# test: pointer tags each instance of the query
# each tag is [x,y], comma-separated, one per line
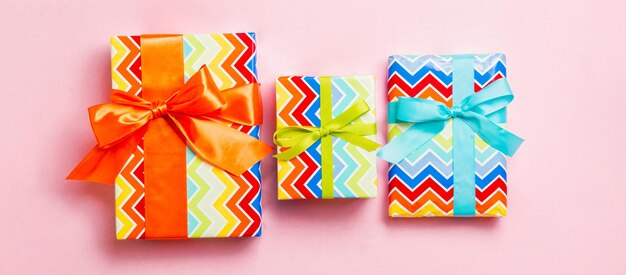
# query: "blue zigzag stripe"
[482,79]
[412,79]
[485,61]
[341,179]
[419,178]
[488,179]
[433,146]
[311,112]
[498,159]
[428,159]
[343,96]
[312,183]
[413,63]
[341,101]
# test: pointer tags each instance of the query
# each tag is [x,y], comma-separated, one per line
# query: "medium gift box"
[446,144]
[180,138]
[326,136]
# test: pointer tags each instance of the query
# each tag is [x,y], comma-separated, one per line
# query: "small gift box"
[180,139]
[446,145]
[326,137]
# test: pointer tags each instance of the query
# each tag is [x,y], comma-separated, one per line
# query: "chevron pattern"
[354,168]
[422,184]
[491,190]
[298,104]
[129,187]
[219,204]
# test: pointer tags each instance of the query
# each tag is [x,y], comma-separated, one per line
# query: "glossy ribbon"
[476,113]
[299,138]
[198,111]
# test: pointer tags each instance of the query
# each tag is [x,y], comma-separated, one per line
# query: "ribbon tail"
[357,140]
[242,105]
[494,135]
[102,165]
[221,146]
[298,148]
[409,141]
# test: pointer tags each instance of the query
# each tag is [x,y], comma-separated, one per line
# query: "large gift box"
[193,170]
[446,145]
[326,137]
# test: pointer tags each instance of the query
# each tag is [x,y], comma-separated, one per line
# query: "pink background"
[566,197]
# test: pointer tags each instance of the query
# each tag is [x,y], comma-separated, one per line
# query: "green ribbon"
[475,113]
[299,138]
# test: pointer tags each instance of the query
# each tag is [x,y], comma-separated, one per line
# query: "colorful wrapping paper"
[422,184]
[354,169]
[219,204]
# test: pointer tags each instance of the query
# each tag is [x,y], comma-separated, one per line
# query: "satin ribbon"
[299,138]
[479,112]
[198,111]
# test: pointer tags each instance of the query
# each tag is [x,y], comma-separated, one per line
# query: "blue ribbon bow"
[476,112]
[430,117]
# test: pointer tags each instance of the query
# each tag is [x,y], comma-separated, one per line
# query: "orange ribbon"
[198,111]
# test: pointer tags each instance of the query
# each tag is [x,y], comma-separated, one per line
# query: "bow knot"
[197,111]
[480,111]
[455,111]
[299,138]
[323,131]
[158,109]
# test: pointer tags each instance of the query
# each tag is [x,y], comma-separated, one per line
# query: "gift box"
[326,137]
[198,98]
[446,145]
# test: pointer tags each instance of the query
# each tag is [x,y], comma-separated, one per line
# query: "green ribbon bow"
[299,138]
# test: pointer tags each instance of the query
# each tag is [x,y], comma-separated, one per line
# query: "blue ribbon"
[475,113]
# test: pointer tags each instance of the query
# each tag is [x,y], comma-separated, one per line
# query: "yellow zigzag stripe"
[284,167]
[194,202]
[444,139]
[220,203]
[198,50]
[362,157]
[364,167]
[215,66]
[428,209]
[123,193]
[363,94]
[117,55]
[498,209]
[282,96]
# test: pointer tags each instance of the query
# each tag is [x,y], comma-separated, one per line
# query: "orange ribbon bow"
[198,111]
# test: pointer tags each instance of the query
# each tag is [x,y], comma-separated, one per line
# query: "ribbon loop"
[158,109]
[323,131]
[455,111]
[201,113]
[299,138]
[429,118]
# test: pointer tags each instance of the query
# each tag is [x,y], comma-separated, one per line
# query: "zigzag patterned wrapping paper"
[218,203]
[422,184]
[354,169]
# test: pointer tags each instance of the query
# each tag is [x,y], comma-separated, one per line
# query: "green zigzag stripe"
[364,163]
[358,175]
[196,53]
[193,205]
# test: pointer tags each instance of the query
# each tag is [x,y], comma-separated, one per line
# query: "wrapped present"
[326,137]
[184,107]
[446,144]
